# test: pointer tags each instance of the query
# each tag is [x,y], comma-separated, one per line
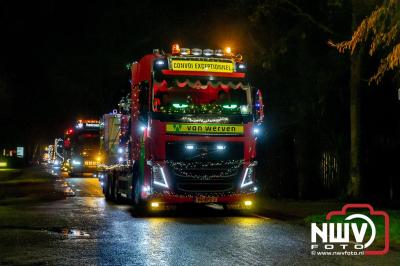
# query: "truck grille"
[205,176]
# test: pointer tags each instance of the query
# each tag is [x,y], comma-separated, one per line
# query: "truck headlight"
[247,177]
[76,162]
[159,178]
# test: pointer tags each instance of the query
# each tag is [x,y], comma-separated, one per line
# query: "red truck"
[187,132]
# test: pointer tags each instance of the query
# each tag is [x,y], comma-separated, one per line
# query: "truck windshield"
[177,96]
[88,140]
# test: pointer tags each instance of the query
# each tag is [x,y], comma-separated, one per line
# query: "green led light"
[230,106]
[178,105]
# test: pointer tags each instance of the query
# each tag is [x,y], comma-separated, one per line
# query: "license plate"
[204,199]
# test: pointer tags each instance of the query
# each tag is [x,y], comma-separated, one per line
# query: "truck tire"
[138,202]
[116,196]
[108,188]
[71,174]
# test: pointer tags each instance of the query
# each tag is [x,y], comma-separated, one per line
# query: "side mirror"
[259,107]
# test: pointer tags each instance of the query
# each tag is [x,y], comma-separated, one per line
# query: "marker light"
[248,203]
[221,147]
[244,109]
[189,146]
[178,105]
[155,204]
[228,50]
[160,62]
[241,66]
[185,51]
[208,52]
[175,49]
[219,52]
[256,130]
[196,51]
[230,106]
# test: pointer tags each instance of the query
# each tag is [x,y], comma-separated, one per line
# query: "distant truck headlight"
[76,162]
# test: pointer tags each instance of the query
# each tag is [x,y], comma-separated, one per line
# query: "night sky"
[63,60]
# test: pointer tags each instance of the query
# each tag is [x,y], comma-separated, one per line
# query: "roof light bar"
[196,51]
[219,52]
[208,52]
[185,51]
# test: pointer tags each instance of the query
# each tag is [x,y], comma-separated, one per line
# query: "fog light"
[248,203]
[155,204]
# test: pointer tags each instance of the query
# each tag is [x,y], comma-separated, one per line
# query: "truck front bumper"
[233,201]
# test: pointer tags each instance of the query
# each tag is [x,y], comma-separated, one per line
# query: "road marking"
[260,216]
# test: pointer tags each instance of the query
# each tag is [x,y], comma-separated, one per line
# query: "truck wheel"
[138,202]
[109,188]
[71,174]
[116,196]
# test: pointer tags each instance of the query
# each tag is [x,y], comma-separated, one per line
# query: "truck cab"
[193,125]
[81,147]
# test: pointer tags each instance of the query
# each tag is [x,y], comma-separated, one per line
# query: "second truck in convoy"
[186,133]
[81,147]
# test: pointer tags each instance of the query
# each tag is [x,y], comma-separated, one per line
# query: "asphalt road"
[87,230]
